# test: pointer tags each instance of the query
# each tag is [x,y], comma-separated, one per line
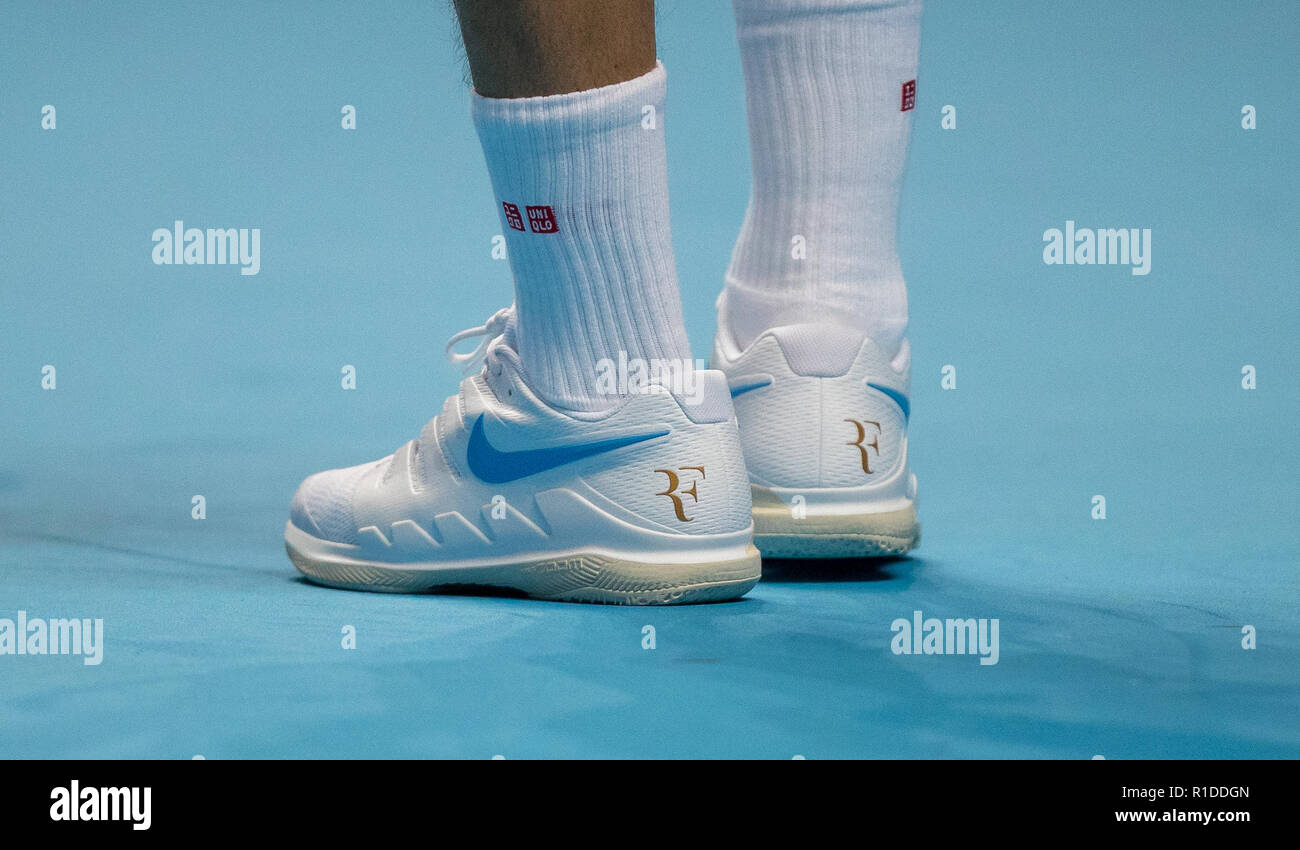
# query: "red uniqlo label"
[541,219]
[909,95]
[512,216]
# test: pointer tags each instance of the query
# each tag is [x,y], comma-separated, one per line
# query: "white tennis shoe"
[644,503]
[823,423]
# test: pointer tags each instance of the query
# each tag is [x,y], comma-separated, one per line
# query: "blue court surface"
[1121,637]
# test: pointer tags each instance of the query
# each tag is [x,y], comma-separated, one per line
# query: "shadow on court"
[821,570]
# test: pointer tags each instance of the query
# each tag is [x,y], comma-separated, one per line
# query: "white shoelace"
[489,330]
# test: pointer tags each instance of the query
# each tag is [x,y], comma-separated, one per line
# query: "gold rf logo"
[675,493]
[860,443]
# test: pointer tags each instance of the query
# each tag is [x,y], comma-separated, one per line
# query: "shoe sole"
[577,577]
[865,534]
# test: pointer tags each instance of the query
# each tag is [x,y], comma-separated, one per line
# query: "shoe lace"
[489,330]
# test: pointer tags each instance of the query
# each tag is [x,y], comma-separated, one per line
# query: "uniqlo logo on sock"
[909,95]
[541,220]
[513,218]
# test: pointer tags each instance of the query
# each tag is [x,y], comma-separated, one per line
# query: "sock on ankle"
[829,88]
[581,184]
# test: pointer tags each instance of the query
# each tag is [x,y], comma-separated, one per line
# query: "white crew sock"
[825,86]
[581,184]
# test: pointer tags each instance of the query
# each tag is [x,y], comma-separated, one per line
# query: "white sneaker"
[823,423]
[647,503]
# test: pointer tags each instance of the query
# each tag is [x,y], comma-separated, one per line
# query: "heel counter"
[812,416]
[694,482]
[868,411]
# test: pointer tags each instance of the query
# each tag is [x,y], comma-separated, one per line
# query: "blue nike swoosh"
[741,389]
[899,398]
[494,466]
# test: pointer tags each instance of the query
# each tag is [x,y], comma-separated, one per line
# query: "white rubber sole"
[569,577]
[783,532]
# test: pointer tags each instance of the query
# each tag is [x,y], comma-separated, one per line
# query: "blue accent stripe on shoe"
[494,466]
[741,389]
[899,398]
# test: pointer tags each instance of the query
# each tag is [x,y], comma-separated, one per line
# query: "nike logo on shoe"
[741,388]
[494,466]
[899,398]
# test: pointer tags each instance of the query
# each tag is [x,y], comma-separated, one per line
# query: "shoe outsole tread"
[594,578]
